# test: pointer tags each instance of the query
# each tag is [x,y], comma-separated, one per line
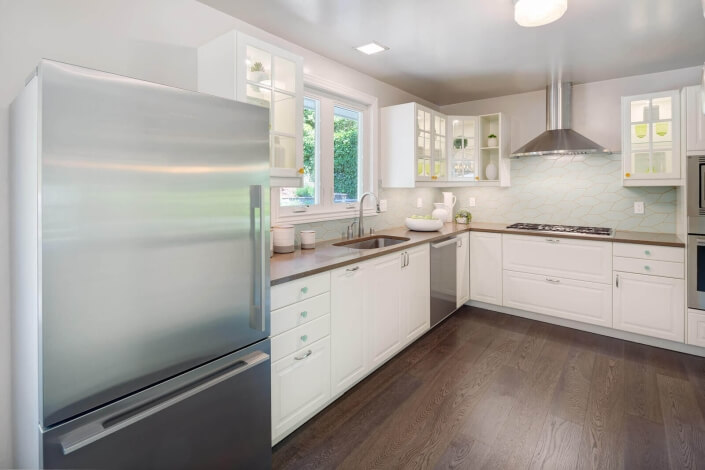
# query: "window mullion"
[326,154]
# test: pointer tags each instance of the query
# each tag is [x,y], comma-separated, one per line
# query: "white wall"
[596,106]
[154,40]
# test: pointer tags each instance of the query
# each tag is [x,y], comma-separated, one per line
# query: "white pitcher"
[440,212]
[449,200]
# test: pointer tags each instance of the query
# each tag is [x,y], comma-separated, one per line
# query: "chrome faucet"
[360,225]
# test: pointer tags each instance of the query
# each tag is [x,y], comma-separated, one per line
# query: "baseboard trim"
[600,330]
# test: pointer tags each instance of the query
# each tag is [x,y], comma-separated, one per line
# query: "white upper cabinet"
[421,147]
[695,120]
[241,67]
[651,136]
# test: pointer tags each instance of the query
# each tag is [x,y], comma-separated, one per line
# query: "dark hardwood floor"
[487,390]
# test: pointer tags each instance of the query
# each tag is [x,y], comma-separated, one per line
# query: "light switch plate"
[419,203]
[471,202]
[639,207]
[383,205]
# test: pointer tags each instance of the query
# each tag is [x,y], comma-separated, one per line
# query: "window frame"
[367,105]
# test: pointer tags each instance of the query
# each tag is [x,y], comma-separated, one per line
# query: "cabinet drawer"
[299,313]
[659,253]
[300,386]
[587,302]
[293,340]
[299,289]
[582,260]
[696,328]
[655,268]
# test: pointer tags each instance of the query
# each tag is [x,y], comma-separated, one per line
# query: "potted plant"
[257,72]
[463,217]
[460,143]
[492,140]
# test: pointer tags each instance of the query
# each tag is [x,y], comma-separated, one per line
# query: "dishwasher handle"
[450,241]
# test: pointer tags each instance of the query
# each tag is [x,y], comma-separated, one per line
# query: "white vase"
[491,171]
[492,142]
[449,200]
[440,212]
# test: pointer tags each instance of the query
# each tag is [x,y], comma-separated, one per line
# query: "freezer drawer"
[215,416]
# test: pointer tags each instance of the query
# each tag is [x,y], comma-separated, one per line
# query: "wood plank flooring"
[488,390]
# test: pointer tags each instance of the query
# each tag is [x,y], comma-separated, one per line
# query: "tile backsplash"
[572,190]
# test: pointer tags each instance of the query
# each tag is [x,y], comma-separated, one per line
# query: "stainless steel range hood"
[559,138]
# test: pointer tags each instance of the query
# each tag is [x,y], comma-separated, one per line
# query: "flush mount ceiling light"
[372,48]
[530,13]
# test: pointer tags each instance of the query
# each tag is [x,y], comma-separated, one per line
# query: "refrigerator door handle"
[259,293]
[92,432]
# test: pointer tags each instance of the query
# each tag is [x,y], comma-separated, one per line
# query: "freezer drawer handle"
[97,430]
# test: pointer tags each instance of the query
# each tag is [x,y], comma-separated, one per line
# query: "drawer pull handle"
[616,281]
[647,267]
[306,354]
[647,252]
[553,281]
[353,269]
[304,290]
[552,240]
[304,338]
[304,314]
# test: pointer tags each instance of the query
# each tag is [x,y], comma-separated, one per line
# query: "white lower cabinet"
[696,327]
[463,269]
[650,305]
[486,267]
[300,386]
[382,295]
[415,296]
[348,325]
[587,302]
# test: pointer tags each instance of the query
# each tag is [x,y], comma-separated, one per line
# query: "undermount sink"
[369,243]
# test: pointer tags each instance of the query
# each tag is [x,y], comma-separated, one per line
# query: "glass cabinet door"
[650,144]
[462,148]
[439,149]
[273,79]
[423,145]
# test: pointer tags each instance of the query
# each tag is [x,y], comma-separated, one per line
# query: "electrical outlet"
[471,202]
[419,203]
[383,205]
[639,207]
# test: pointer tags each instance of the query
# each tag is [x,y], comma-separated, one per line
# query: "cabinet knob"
[304,314]
[301,171]
[477,178]
[627,175]
[647,252]
[647,267]
[304,290]
[304,338]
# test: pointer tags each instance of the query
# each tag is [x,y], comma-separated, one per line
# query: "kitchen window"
[338,158]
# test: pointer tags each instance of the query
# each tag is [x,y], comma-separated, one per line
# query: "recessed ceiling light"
[532,13]
[372,48]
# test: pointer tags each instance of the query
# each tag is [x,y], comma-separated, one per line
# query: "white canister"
[440,212]
[449,200]
[283,238]
[308,239]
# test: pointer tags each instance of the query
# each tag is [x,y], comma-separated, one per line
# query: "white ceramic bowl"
[423,225]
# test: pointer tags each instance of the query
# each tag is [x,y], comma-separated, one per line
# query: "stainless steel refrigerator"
[140,239]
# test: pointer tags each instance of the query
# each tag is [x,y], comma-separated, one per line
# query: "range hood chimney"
[559,138]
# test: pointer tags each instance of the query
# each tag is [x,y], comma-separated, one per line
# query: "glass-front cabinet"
[422,147]
[238,66]
[651,139]
[463,153]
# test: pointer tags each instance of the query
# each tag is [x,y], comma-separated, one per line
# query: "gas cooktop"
[595,231]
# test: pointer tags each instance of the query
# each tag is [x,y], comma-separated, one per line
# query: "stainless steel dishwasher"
[443,279]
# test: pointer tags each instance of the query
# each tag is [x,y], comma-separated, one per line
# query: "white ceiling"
[448,51]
